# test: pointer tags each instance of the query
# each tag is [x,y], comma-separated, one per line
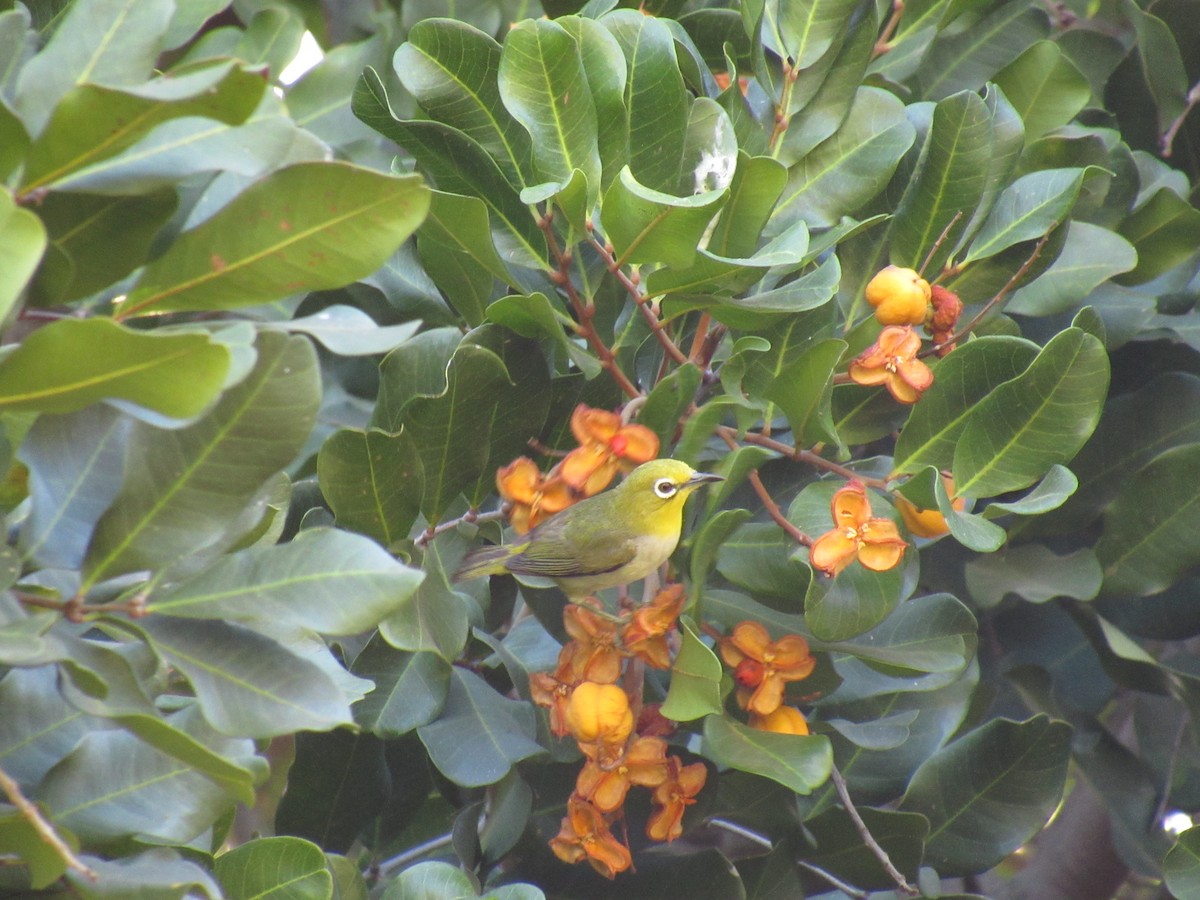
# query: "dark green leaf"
[695,679]
[1164,230]
[1045,87]
[1091,256]
[409,688]
[372,482]
[268,867]
[647,226]
[22,243]
[1026,209]
[802,763]
[974,55]
[1033,572]
[1181,866]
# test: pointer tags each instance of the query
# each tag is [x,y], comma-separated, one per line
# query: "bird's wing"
[555,553]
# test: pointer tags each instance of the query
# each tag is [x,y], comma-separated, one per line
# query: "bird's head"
[661,486]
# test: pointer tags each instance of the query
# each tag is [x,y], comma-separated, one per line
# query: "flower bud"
[900,296]
[785,720]
[599,713]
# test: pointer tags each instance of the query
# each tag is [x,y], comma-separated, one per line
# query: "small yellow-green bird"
[604,541]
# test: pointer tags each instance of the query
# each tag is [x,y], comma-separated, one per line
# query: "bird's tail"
[484,561]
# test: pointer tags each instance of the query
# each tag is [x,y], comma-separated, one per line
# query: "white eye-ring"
[665,488]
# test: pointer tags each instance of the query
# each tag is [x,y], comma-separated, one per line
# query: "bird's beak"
[700,478]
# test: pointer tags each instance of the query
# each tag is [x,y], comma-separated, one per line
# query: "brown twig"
[848,889]
[895,874]
[768,501]
[1168,139]
[783,118]
[961,333]
[75,610]
[641,300]
[699,337]
[470,516]
[585,312]
[941,239]
[44,829]
[884,42]
[815,460]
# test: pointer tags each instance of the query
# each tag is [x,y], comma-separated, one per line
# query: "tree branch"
[642,302]
[895,874]
[44,829]
[471,515]
[1168,139]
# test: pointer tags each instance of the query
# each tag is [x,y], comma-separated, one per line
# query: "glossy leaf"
[22,243]
[73,363]
[989,791]
[804,390]
[1164,230]
[1045,87]
[974,55]
[1027,209]
[801,763]
[372,482]
[259,868]
[647,226]
[348,331]
[1090,257]
[410,689]
[604,66]
[480,735]
[1034,573]
[1181,866]
[306,227]
[695,679]
[156,518]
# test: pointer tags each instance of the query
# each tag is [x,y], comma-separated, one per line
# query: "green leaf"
[410,688]
[1091,256]
[1040,418]
[45,863]
[1045,87]
[669,400]
[845,171]
[96,241]
[94,124]
[932,633]
[1161,62]
[799,762]
[972,57]
[837,847]
[804,391]
[1034,573]
[39,726]
[757,184]
[435,618]
[962,380]
[197,503]
[695,679]
[656,100]
[990,791]
[1150,530]
[22,243]
[535,316]
[348,331]
[1027,209]
[372,482]
[337,784]
[950,179]
[458,227]
[1051,492]
[112,786]
[431,880]
[307,227]
[756,557]
[543,85]
[73,363]
[605,68]
[1181,865]
[280,868]
[1164,230]
[480,735]
[647,226]
[246,683]
[304,583]
[806,30]
[153,874]
[450,67]
[121,52]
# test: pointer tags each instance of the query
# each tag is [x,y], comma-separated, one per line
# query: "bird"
[611,539]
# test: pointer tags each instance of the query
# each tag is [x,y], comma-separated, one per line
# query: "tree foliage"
[272,352]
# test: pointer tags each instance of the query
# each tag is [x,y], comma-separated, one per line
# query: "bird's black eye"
[664,488]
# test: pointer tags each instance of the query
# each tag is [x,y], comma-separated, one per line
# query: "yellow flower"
[585,835]
[599,714]
[900,296]
[762,666]
[605,445]
[892,361]
[534,498]
[928,523]
[872,540]
[785,720]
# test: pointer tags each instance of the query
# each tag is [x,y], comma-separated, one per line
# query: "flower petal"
[518,481]
[640,443]
[915,373]
[768,697]
[594,425]
[850,506]
[881,557]
[578,466]
[868,375]
[751,638]
[832,552]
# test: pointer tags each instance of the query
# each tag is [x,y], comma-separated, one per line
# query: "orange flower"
[892,361]
[605,445]
[585,835]
[599,714]
[534,498]
[554,691]
[605,784]
[763,666]
[594,653]
[928,523]
[874,541]
[646,635]
[785,720]
[672,797]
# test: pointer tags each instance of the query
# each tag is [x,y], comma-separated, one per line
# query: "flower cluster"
[892,362]
[856,534]
[621,749]
[606,445]
[761,669]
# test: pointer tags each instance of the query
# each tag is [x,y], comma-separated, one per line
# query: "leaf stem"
[643,302]
[470,516]
[44,829]
[843,792]
[848,889]
[768,501]
[884,42]
[941,239]
[1166,143]
[75,610]
[805,456]
[585,312]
